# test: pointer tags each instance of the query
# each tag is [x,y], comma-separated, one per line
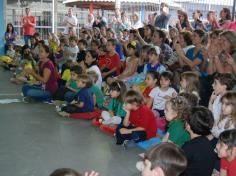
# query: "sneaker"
[129,144]
[48,102]
[58,108]
[26,100]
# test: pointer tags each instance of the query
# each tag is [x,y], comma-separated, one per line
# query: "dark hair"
[169,157]
[84,42]
[200,120]
[187,35]
[7,30]
[191,98]
[145,48]
[202,34]
[96,42]
[215,33]
[46,48]
[151,27]
[84,78]
[133,96]
[65,172]
[113,42]
[227,11]
[228,137]
[103,48]
[94,56]
[119,86]
[167,75]
[226,79]
[162,35]
[154,74]
[76,69]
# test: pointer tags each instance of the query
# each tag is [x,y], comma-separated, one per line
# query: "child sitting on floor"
[97,93]
[159,95]
[115,112]
[139,123]
[84,98]
[226,149]
[165,159]
[176,132]
[69,91]
[199,151]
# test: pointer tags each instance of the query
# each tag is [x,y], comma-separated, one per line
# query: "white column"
[54,16]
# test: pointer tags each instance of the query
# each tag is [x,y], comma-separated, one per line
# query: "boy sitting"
[139,123]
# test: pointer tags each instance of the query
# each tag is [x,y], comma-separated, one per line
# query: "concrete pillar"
[3,25]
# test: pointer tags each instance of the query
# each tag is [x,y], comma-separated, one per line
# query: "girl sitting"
[176,132]
[131,62]
[115,112]
[91,63]
[228,114]
[189,82]
[159,95]
[84,98]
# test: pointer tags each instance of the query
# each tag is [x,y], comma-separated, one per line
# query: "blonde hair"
[93,75]
[178,104]
[230,96]
[192,80]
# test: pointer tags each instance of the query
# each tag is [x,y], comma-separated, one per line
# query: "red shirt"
[147,91]
[102,61]
[144,117]
[28,29]
[230,167]
[112,62]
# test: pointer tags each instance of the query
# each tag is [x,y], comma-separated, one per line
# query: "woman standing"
[10,35]
[47,78]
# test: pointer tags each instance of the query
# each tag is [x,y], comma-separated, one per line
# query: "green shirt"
[177,132]
[99,96]
[116,107]
[73,85]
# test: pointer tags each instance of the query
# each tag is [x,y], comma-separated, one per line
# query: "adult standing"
[162,20]
[136,21]
[28,25]
[71,22]
[10,35]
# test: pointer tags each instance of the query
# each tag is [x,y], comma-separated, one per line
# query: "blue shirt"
[85,95]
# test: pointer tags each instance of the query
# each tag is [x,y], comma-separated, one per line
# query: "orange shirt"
[28,29]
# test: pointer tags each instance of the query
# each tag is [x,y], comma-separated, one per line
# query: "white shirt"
[219,127]
[159,99]
[73,50]
[137,25]
[72,20]
[97,70]
[216,108]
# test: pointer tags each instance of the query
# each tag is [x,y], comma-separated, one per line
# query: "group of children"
[139,100]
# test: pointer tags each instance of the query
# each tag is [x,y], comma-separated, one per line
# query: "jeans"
[137,136]
[70,96]
[27,39]
[36,92]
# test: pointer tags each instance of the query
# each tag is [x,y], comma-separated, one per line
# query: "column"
[3,25]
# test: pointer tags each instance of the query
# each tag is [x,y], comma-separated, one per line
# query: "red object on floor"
[107,129]
[87,115]
[95,122]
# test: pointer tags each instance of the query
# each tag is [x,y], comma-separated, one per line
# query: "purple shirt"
[51,85]
[10,39]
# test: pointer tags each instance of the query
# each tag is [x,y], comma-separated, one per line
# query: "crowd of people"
[167,89]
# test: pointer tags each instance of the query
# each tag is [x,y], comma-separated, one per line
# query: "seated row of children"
[144,107]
